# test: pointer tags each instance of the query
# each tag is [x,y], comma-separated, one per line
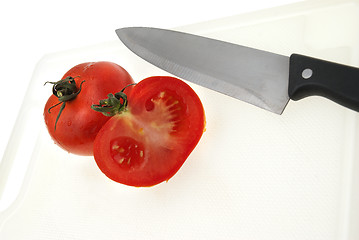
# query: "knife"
[261,78]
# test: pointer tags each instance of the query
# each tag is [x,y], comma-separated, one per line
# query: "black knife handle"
[310,76]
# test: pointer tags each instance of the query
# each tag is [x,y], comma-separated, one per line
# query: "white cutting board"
[254,175]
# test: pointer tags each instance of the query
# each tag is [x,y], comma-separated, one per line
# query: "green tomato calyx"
[65,90]
[114,104]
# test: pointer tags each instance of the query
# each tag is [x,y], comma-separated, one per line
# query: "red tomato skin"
[160,153]
[78,124]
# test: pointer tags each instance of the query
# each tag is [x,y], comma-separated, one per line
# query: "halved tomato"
[149,141]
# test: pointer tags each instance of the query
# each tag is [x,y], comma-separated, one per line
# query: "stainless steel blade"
[255,76]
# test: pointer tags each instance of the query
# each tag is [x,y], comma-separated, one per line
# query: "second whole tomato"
[70,121]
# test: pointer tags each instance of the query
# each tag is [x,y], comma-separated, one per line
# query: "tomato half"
[77,124]
[148,142]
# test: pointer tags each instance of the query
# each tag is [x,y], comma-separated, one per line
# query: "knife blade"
[264,79]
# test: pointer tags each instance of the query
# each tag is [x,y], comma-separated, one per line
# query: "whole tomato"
[70,121]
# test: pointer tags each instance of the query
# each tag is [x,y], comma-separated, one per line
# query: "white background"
[31,29]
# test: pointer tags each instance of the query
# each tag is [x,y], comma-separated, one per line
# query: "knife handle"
[310,76]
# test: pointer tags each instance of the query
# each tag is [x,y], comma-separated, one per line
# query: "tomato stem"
[65,90]
[114,104]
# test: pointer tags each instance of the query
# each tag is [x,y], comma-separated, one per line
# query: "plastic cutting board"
[254,175]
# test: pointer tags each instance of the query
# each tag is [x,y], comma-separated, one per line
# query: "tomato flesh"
[127,152]
[149,142]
